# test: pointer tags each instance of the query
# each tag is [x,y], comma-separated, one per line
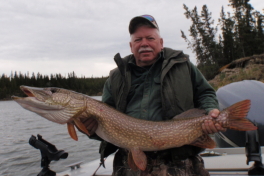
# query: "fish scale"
[136,135]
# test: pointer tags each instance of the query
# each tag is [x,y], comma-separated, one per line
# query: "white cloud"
[61,36]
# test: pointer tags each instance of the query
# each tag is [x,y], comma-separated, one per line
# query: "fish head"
[55,104]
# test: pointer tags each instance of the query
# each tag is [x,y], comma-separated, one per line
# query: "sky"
[62,36]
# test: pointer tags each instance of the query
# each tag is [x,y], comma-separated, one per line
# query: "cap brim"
[136,20]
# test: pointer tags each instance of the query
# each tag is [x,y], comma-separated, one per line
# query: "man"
[156,83]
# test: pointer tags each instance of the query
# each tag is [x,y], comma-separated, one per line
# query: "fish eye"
[53,90]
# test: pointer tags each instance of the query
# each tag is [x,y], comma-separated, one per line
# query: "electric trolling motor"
[48,153]
[253,152]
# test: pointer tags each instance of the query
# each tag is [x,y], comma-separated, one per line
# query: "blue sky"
[61,36]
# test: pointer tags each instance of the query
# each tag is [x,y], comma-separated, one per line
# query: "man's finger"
[220,128]
[209,127]
[212,127]
[214,113]
[86,121]
[92,131]
[206,128]
[91,124]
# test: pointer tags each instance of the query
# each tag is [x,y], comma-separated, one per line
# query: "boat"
[218,161]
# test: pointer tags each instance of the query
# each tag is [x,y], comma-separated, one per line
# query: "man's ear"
[161,42]
[130,44]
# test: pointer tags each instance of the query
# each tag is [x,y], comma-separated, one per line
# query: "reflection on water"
[17,157]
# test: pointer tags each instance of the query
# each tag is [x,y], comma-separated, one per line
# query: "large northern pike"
[65,106]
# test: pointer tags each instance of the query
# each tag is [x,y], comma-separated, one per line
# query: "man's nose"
[144,42]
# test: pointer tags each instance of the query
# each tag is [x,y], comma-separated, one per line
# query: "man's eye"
[137,40]
[151,38]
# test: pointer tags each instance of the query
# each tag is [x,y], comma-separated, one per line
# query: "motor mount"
[49,153]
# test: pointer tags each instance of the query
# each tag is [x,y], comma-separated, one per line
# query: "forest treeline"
[9,85]
[236,35]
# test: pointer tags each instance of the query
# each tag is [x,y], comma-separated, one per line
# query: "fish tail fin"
[237,116]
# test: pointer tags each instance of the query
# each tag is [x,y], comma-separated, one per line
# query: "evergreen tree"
[242,35]
[204,44]
[10,85]
[227,43]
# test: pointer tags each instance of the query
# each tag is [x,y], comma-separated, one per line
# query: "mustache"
[144,49]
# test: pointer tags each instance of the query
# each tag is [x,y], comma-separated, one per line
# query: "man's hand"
[91,125]
[209,127]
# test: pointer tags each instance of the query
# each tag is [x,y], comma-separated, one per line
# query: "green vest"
[175,80]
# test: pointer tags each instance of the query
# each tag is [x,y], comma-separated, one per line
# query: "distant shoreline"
[6,99]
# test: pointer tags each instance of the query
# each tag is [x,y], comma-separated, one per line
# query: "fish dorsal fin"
[72,131]
[204,141]
[137,158]
[191,113]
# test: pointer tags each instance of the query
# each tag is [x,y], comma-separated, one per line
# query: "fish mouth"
[27,91]
[35,98]
[36,92]
[40,101]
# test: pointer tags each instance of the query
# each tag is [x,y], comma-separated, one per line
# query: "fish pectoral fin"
[137,158]
[204,141]
[81,126]
[72,131]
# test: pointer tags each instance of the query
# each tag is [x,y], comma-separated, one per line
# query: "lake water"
[18,157]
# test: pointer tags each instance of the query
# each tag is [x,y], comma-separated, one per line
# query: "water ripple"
[17,157]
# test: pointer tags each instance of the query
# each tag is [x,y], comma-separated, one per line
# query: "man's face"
[146,44]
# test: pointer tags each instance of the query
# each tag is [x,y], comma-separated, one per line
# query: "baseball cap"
[143,18]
